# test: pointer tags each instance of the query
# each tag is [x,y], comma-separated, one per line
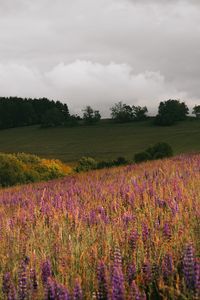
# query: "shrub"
[11,170]
[25,168]
[142,156]
[158,151]
[86,164]
[120,161]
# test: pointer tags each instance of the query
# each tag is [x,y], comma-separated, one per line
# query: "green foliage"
[52,118]
[196,111]
[24,168]
[86,164]
[142,156]
[15,111]
[170,112]
[11,170]
[139,113]
[125,113]
[158,151]
[121,112]
[91,116]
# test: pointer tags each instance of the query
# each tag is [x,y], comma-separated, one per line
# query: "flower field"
[124,233]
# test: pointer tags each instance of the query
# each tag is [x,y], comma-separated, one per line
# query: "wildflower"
[167,231]
[145,233]
[22,282]
[77,294]
[102,284]
[167,267]
[197,278]
[118,289]
[50,290]
[117,258]
[46,271]
[133,238]
[131,273]
[12,295]
[147,272]
[6,283]
[33,279]
[189,267]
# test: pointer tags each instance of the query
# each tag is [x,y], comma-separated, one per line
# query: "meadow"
[103,141]
[124,233]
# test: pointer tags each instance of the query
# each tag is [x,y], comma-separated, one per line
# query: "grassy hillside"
[108,234]
[103,141]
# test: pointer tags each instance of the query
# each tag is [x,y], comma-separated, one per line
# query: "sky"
[99,52]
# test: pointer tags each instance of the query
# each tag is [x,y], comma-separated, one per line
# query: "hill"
[108,234]
[103,141]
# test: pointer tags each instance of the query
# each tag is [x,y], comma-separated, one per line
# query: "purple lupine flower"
[102,283]
[77,293]
[46,271]
[133,238]
[12,295]
[117,258]
[62,293]
[167,266]
[145,233]
[127,218]
[197,278]
[33,279]
[22,282]
[50,289]
[135,294]
[131,273]
[147,272]
[167,231]
[6,283]
[118,289]
[189,266]
[161,203]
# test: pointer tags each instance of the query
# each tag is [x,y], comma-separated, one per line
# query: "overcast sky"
[99,52]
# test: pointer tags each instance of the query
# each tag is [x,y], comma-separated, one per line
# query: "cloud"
[84,83]
[100,51]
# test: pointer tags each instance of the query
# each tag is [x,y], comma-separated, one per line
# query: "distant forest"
[15,112]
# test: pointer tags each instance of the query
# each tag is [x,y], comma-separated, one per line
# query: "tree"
[52,118]
[139,113]
[171,111]
[121,112]
[91,116]
[196,111]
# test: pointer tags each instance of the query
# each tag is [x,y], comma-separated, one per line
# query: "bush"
[11,170]
[25,168]
[120,161]
[158,151]
[142,156]
[86,164]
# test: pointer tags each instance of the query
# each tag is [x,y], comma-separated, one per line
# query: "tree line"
[16,112]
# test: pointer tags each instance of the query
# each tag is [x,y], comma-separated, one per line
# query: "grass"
[116,232]
[103,141]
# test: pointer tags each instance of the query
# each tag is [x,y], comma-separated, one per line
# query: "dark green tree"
[196,111]
[52,118]
[121,112]
[91,116]
[170,112]
[139,113]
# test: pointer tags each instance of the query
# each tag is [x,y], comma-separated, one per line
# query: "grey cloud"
[47,39]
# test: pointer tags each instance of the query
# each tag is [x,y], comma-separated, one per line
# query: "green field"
[103,141]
